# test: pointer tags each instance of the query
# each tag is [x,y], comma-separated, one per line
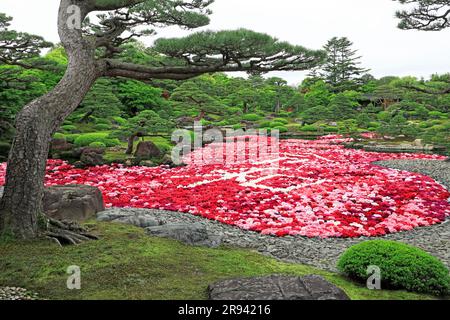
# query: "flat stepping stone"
[276,287]
[128,217]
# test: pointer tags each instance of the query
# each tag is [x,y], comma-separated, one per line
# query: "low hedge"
[402,266]
[281,120]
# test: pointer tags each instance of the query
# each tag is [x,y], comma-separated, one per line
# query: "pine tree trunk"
[131,141]
[21,204]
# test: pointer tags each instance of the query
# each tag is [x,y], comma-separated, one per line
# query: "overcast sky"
[370,24]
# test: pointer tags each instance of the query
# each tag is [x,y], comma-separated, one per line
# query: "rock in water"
[191,234]
[147,150]
[276,287]
[73,202]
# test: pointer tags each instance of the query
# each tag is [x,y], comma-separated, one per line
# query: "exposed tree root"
[67,233]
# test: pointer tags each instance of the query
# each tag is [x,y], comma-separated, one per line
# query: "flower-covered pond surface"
[310,188]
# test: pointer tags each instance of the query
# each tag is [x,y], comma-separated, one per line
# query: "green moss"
[127,264]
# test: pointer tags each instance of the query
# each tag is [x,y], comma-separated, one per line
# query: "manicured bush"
[275,124]
[308,128]
[102,127]
[69,128]
[281,120]
[71,137]
[402,266]
[237,127]
[99,145]
[85,140]
[281,129]
[294,128]
[265,124]
[251,117]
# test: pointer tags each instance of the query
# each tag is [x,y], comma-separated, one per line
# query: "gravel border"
[324,253]
[16,293]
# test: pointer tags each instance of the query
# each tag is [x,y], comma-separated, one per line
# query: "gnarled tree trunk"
[21,204]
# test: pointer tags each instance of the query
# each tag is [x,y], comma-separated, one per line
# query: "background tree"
[137,96]
[94,52]
[341,69]
[191,98]
[146,123]
[426,15]
[100,102]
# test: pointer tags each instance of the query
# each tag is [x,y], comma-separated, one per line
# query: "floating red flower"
[312,189]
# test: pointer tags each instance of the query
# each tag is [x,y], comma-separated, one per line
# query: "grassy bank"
[126,264]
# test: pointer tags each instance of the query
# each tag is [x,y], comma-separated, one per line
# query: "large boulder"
[276,287]
[73,202]
[191,234]
[147,150]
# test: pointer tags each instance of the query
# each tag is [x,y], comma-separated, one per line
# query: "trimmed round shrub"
[59,136]
[330,129]
[251,117]
[102,127]
[308,128]
[69,128]
[294,127]
[281,129]
[402,266]
[86,139]
[265,124]
[281,120]
[275,124]
[99,145]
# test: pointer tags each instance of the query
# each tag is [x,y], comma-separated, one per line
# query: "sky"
[370,24]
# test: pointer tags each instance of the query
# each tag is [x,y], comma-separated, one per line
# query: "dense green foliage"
[117,108]
[402,266]
[128,264]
